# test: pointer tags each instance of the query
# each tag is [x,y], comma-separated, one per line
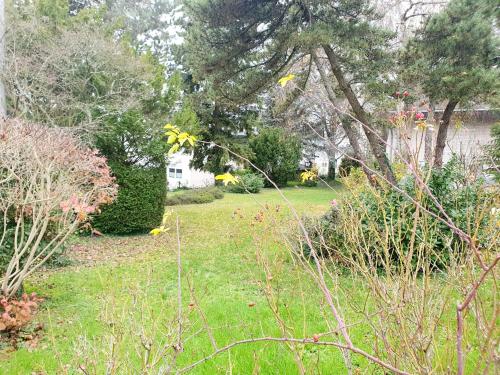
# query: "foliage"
[139,206]
[49,184]
[456,49]
[248,182]
[346,165]
[225,126]
[91,78]
[264,40]
[253,57]
[309,178]
[277,154]
[195,196]
[371,213]
[493,150]
[131,139]
[16,314]
[7,251]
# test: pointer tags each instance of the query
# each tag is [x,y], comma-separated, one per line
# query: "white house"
[320,161]
[180,174]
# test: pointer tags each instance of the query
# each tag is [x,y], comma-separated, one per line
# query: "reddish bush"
[15,314]
[49,183]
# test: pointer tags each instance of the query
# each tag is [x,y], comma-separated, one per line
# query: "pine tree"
[242,47]
[454,59]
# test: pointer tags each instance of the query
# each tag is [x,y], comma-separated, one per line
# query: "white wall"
[320,161]
[467,140]
[191,178]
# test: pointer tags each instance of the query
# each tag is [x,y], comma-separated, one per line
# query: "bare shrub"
[49,183]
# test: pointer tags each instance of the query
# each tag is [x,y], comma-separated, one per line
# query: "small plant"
[16,314]
[309,178]
[248,182]
[346,165]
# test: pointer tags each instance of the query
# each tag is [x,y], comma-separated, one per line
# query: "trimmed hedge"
[195,196]
[140,204]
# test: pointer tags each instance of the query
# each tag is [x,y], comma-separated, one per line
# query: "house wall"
[466,139]
[320,161]
[189,177]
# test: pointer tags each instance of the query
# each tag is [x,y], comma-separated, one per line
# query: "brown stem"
[304,341]
[442,132]
[461,308]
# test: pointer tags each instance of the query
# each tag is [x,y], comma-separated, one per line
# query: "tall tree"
[243,47]
[454,58]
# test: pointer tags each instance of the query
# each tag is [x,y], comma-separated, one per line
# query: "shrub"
[49,184]
[277,154]
[346,165]
[140,204]
[16,314]
[380,223]
[248,183]
[195,196]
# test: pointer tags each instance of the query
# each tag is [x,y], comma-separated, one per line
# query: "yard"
[119,296]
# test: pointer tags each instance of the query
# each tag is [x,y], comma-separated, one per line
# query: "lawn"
[120,295]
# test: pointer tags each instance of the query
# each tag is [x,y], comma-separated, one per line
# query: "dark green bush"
[195,196]
[277,154]
[346,165]
[249,183]
[140,203]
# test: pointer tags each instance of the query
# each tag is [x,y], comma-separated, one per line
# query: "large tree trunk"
[377,147]
[442,133]
[3,108]
[349,129]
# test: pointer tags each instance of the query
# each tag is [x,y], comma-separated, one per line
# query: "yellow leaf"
[227,178]
[155,231]
[171,139]
[170,126]
[284,80]
[308,175]
[174,149]
[192,140]
[183,137]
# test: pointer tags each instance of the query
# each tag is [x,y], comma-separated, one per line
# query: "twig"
[461,308]
[305,341]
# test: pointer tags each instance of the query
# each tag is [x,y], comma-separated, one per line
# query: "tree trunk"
[377,147]
[428,135]
[331,132]
[3,108]
[350,131]
[442,133]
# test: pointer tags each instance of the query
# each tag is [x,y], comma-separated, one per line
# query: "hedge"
[140,204]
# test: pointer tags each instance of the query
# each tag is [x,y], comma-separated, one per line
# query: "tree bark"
[377,147]
[442,133]
[350,131]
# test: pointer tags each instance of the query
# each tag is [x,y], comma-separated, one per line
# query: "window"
[171,172]
[178,173]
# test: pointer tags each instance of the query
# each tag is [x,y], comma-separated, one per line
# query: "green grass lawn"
[120,296]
